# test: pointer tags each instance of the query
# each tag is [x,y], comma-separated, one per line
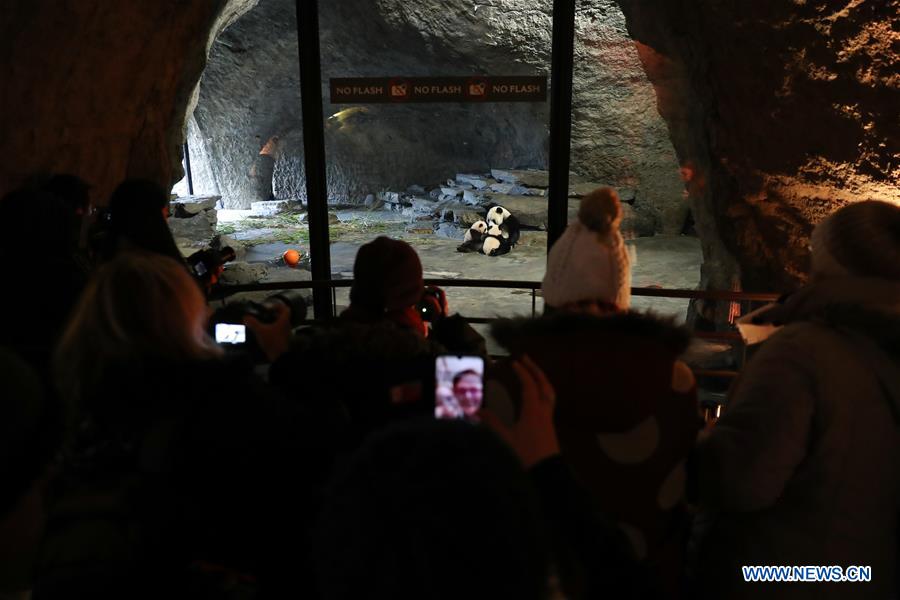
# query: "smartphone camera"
[200,269]
[459,386]
[231,333]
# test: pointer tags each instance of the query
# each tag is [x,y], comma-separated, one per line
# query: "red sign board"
[371,90]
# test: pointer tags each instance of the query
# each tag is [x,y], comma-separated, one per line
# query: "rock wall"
[87,90]
[250,89]
[781,112]
[617,132]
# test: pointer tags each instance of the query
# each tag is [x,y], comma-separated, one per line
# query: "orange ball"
[291,258]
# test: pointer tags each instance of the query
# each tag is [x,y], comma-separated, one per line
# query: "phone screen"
[459,386]
[230,333]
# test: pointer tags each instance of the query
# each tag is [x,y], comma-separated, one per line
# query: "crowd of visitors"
[141,459]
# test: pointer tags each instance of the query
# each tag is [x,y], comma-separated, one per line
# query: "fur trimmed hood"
[867,306]
[881,327]
[510,333]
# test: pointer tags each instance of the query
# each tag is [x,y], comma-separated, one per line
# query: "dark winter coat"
[370,372]
[626,418]
[178,465]
[803,468]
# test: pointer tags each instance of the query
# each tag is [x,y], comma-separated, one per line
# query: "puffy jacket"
[803,468]
[626,418]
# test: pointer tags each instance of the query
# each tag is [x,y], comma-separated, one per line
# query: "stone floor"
[661,261]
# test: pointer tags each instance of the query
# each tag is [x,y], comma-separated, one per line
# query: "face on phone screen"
[459,386]
[230,333]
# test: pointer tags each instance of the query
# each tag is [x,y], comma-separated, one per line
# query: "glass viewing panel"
[429,132]
[245,139]
[422,160]
[620,140]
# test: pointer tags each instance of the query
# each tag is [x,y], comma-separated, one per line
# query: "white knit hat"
[590,261]
[861,239]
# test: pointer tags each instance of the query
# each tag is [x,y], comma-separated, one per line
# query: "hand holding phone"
[273,338]
[533,436]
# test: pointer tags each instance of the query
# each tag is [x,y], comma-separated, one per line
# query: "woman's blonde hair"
[137,306]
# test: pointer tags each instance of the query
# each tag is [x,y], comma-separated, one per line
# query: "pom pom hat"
[589,262]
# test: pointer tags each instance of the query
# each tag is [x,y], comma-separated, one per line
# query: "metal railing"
[224,291]
[728,337]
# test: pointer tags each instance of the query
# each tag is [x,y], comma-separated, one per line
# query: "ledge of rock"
[242,273]
[270,208]
[528,178]
[195,231]
[530,210]
[188,206]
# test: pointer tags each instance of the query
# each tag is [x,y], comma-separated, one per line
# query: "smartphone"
[231,333]
[458,386]
[711,411]
[200,269]
[503,391]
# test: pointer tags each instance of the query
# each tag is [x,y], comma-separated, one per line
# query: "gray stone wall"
[249,93]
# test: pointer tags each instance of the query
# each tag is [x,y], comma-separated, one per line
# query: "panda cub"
[502,233]
[494,243]
[507,223]
[474,238]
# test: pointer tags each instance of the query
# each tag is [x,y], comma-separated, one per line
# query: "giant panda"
[472,241]
[494,243]
[506,223]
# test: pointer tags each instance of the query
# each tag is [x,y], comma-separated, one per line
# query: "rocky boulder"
[530,210]
[270,208]
[286,274]
[188,206]
[478,182]
[389,197]
[530,178]
[425,206]
[515,189]
[450,230]
[242,273]
[195,231]
[222,241]
[473,198]
[461,214]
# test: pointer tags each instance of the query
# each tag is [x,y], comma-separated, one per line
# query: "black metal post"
[560,117]
[187,168]
[314,152]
